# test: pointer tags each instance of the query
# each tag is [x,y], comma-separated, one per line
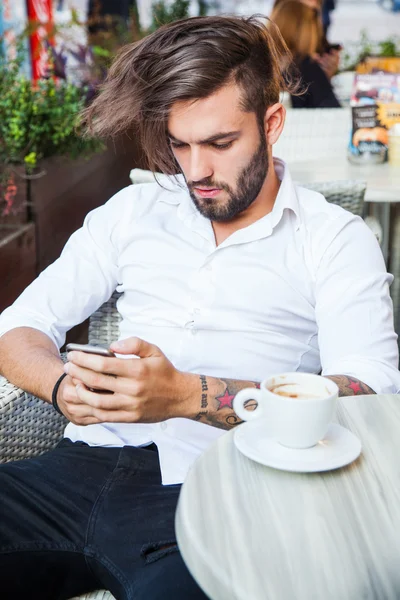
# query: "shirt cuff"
[8,323]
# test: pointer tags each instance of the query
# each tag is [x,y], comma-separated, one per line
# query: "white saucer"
[339,447]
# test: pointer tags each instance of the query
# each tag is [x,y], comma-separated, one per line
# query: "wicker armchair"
[348,194]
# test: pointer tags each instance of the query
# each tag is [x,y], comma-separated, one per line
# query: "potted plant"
[356,53]
[163,13]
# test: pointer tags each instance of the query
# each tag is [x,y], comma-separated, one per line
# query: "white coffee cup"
[298,407]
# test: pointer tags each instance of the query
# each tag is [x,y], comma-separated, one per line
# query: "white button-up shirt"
[302,289]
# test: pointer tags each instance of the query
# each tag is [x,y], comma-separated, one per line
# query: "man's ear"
[274,121]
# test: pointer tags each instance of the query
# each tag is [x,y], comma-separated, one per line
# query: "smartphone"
[99,350]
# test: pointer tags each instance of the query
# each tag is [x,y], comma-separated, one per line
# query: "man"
[228,274]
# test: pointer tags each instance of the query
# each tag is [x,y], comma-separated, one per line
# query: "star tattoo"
[356,387]
[350,386]
[225,400]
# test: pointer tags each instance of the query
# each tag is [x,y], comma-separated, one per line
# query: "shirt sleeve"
[75,285]
[353,307]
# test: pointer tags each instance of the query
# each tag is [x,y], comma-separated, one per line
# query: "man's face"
[221,151]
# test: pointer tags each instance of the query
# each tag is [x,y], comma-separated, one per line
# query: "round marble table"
[249,532]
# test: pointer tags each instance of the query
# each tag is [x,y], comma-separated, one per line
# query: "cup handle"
[239,400]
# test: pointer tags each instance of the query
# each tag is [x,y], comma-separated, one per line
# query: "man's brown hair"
[188,60]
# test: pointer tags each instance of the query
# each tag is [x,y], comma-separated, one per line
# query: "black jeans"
[79,518]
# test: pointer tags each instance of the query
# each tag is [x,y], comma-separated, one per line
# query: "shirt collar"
[287,195]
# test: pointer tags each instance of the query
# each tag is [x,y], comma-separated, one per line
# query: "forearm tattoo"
[204,390]
[216,397]
[350,386]
[216,401]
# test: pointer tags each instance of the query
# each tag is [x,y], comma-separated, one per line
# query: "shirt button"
[196,311]
[194,331]
[163,426]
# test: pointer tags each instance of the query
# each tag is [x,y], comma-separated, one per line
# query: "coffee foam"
[295,391]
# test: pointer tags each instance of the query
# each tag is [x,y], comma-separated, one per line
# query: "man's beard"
[248,186]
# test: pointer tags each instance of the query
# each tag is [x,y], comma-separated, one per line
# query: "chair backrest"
[348,194]
[104,323]
[314,134]
[142,176]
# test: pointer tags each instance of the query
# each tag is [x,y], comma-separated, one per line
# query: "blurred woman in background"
[311,3]
[301,28]
[328,54]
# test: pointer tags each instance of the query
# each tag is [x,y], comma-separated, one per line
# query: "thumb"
[136,346]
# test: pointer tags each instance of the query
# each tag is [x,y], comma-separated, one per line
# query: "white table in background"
[249,532]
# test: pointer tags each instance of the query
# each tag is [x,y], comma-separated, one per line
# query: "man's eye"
[222,146]
[177,145]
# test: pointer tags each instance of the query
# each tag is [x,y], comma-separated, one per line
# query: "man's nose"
[200,167]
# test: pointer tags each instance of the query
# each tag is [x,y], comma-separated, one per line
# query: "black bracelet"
[54,394]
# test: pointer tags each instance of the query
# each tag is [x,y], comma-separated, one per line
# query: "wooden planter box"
[60,200]
[57,204]
[19,211]
[17,261]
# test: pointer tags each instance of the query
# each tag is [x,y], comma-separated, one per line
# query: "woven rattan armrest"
[28,426]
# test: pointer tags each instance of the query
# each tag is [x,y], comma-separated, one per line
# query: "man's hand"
[147,389]
[144,390]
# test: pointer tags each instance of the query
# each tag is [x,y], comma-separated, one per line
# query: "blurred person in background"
[301,28]
[316,4]
[328,55]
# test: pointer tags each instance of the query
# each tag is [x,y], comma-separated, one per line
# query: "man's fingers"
[116,416]
[100,364]
[67,391]
[91,378]
[132,385]
[136,346]
[81,414]
[107,409]
[97,400]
